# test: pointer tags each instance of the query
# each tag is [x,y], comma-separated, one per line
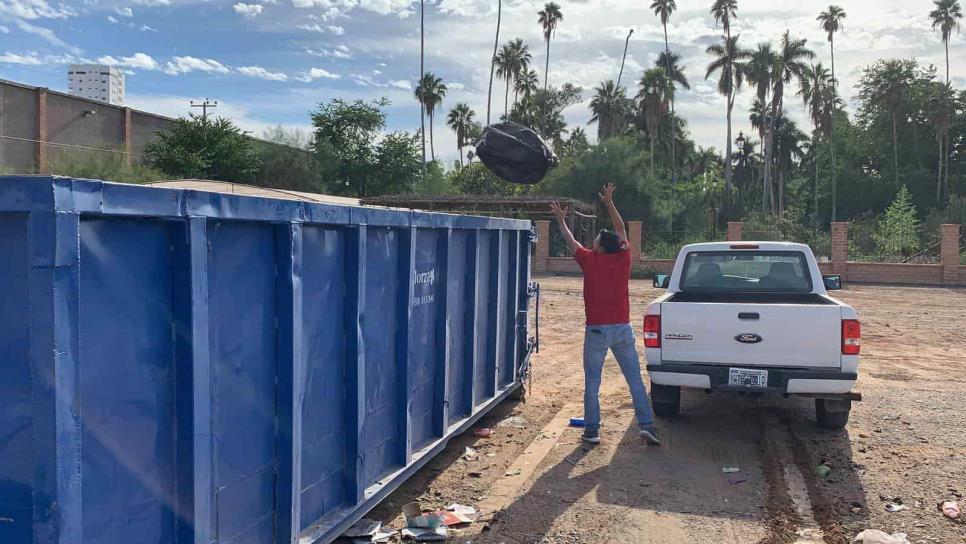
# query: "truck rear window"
[746,272]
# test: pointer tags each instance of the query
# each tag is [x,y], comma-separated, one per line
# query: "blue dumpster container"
[180,366]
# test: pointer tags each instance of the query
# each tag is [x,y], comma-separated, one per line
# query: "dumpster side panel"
[423,346]
[381,433]
[126,380]
[16,426]
[242,310]
[324,410]
[459,313]
[509,309]
[481,334]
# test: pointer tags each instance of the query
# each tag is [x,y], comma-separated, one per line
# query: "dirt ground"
[906,442]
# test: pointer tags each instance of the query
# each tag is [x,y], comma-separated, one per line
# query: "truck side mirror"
[661,281]
[833,282]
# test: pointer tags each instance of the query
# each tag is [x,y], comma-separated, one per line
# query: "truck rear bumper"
[780,380]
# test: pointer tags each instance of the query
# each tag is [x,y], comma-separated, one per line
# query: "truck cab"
[752,317]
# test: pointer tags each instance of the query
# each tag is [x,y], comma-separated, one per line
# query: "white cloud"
[124,11]
[146,28]
[315,27]
[112,19]
[317,73]
[366,80]
[31,58]
[337,30]
[339,8]
[248,10]
[310,28]
[178,106]
[35,9]
[4,30]
[152,3]
[184,65]
[46,34]
[400,84]
[340,52]
[261,73]
[140,61]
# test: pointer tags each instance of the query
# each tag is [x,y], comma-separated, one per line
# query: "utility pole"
[204,107]
[626,42]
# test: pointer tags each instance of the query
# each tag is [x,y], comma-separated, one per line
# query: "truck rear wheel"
[832,414]
[666,400]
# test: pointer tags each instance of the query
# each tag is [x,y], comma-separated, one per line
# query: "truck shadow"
[624,491]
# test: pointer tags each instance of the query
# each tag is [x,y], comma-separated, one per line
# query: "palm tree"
[664,9]
[728,59]
[939,101]
[652,98]
[758,72]
[946,17]
[526,84]
[610,110]
[820,102]
[887,83]
[512,60]
[788,64]
[549,17]
[430,92]
[460,119]
[788,148]
[675,73]
[496,43]
[422,74]
[831,22]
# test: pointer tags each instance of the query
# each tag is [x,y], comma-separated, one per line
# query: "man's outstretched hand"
[607,193]
[558,210]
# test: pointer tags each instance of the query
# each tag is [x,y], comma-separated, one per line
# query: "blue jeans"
[620,340]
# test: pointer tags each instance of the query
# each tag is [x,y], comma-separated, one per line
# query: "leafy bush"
[102,166]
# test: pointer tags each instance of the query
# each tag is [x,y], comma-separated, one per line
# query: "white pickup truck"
[752,317]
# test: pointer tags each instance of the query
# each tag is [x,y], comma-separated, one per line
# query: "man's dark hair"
[609,241]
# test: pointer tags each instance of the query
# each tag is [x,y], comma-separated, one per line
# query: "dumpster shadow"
[625,491]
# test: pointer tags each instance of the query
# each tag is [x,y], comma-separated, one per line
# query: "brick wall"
[840,249]
[734,231]
[912,274]
[542,252]
[635,233]
[949,249]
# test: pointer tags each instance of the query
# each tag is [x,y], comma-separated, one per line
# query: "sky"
[271,62]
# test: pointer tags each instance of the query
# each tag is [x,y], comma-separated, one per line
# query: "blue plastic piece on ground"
[576,422]
[185,366]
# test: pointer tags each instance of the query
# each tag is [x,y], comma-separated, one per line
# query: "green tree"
[287,162]
[476,179]
[820,100]
[831,22]
[664,9]
[543,110]
[652,99]
[549,17]
[897,232]
[526,84]
[728,58]
[460,119]
[610,108]
[512,60]
[884,86]
[430,92]
[946,18]
[345,133]
[493,59]
[396,166]
[199,147]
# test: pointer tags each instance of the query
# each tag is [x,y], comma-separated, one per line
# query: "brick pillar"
[127,135]
[734,231]
[542,251]
[950,253]
[42,164]
[840,248]
[635,234]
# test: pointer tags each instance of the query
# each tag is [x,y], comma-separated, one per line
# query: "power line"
[204,107]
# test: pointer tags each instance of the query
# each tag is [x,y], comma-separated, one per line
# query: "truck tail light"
[652,331]
[851,336]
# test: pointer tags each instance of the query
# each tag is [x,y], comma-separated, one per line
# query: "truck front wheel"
[666,400]
[832,414]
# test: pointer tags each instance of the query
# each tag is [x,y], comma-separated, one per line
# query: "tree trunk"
[946,42]
[815,187]
[422,103]
[946,161]
[895,150]
[496,43]
[939,178]
[781,185]
[728,169]
[461,155]
[432,150]
[546,67]
[831,134]
[667,74]
[652,138]
[506,101]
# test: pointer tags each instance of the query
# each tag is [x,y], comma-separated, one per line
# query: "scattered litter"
[893,507]
[736,481]
[470,454]
[491,455]
[875,536]
[416,519]
[950,509]
[475,474]
[514,472]
[517,422]
[484,432]
[571,461]
[730,470]
[364,528]
[576,422]
[823,471]
[425,534]
[464,510]
[378,538]
[453,518]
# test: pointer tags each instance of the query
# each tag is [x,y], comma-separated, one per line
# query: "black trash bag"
[515,153]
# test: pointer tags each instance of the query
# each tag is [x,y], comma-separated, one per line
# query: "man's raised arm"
[560,212]
[607,196]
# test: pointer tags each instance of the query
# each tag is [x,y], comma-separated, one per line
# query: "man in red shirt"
[607,271]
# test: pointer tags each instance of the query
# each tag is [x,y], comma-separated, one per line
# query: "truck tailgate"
[787,335]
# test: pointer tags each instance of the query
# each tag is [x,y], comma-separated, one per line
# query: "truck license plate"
[744,377]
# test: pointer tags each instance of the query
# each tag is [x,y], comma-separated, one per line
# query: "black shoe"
[591,436]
